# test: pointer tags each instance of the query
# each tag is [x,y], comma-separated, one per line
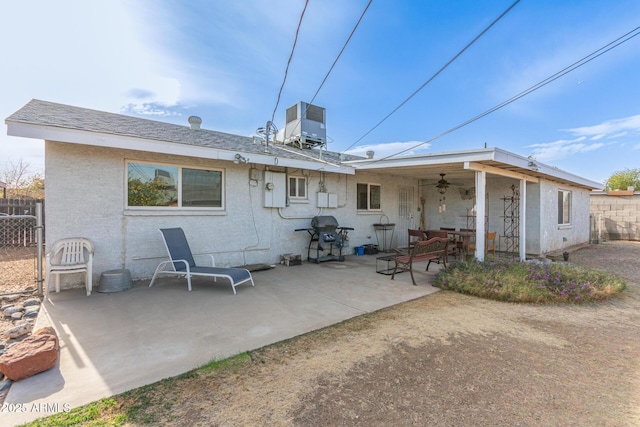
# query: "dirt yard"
[17,284]
[443,360]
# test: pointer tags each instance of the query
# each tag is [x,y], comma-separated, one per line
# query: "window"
[202,188]
[156,186]
[564,207]
[297,187]
[368,197]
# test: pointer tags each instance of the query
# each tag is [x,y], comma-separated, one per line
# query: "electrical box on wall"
[275,189]
[323,200]
[333,200]
[255,174]
[327,200]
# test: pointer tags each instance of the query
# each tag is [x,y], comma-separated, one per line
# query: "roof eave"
[97,139]
[417,160]
[497,155]
[542,169]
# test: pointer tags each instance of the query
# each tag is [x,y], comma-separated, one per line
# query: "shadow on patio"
[113,342]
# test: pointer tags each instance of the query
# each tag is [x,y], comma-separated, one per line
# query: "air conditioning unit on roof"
[305,126]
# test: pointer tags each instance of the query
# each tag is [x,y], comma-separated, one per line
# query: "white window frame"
[369,197]
[179,206]
[299,179]
[562,194]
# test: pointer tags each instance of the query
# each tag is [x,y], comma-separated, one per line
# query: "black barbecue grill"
[325,235]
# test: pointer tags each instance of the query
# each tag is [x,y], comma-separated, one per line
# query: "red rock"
[33,355]
[47,330]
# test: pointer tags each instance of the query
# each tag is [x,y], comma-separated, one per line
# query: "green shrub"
[515,281]
[620,180]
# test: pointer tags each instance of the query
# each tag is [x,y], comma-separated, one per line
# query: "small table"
[383,228]
[386,264]
[465,237]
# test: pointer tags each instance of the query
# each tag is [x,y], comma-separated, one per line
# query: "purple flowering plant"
[516,281]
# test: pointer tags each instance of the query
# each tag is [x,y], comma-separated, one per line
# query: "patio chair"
[444,234]
[469,245]
[456,243]
[182,263]
[70,255]
[490,242]
[415,236]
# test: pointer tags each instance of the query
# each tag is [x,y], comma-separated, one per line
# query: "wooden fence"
[18,222]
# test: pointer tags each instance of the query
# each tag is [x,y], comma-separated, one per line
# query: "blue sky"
[225,60]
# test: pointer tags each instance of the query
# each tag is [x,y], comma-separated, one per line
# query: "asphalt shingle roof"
[44,113]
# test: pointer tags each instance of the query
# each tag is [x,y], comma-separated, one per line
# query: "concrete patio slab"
[114,342]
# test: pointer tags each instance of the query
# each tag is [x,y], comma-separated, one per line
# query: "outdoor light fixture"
[442,205]
[442,185]
[533,166]
[240,159]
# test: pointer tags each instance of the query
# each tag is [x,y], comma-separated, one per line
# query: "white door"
[406,215]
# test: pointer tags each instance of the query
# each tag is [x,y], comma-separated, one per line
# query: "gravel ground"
[17,284]
[17,280]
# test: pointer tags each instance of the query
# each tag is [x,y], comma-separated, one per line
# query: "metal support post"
[40,251]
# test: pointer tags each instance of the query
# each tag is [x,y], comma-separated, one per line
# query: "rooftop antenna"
[267,132]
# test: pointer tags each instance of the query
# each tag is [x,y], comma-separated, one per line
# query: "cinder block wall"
[615,217]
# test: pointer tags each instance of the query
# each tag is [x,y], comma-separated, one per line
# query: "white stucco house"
[242,199]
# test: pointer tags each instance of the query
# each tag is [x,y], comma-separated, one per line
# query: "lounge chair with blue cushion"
[181,262]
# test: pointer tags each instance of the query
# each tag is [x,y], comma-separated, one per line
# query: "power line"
[286,71]
[435,75]
[341,50]
[586,59]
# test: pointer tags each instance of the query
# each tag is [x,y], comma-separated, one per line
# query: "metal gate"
[406,219]
[511,219]
[21,250]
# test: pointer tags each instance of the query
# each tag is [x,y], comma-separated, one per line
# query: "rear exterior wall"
[556,237]
[86,191]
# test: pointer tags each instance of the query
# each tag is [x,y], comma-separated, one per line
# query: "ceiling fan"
[443,184]
[429,182]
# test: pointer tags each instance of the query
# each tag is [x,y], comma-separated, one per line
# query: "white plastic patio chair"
[71,255]
[182,263]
